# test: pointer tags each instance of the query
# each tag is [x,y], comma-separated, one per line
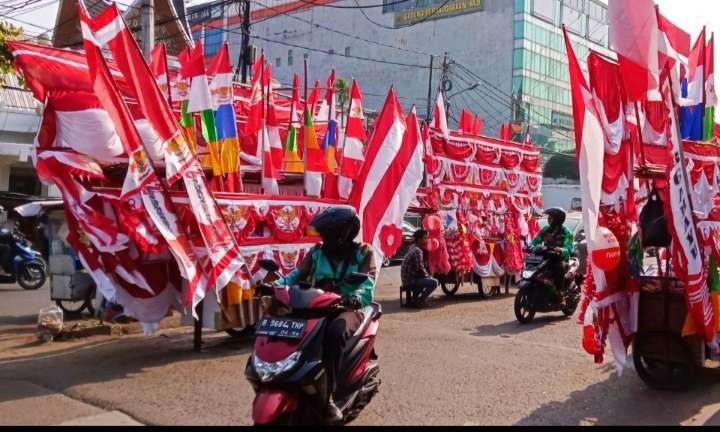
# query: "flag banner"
[159,66]
[109,29]
[355,136]
[293,162]
[711,99]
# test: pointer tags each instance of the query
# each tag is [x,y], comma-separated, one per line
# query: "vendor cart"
[663,358]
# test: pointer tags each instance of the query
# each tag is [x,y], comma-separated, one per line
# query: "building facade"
[19,122]
[504,60]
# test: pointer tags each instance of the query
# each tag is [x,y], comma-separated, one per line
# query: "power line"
[432,14]
[335,6]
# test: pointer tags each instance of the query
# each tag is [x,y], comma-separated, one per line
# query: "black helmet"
[557,213]
[339,224]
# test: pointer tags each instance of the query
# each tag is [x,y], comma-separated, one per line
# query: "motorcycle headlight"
[527,274]
[269,370]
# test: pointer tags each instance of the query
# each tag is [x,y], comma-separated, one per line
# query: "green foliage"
[562,166]
[342,91]
[7,32]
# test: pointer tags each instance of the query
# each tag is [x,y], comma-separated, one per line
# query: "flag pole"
[304,120]
[263,121]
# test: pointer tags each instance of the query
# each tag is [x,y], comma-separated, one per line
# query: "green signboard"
[427,13]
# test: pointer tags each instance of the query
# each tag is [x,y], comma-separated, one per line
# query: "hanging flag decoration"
[293,162]
[355,136]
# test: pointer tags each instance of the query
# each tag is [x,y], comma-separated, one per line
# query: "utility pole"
[244,58]
[147,25]
[429,102]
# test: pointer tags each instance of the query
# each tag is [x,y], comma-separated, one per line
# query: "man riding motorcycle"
[558,239]
[326,266]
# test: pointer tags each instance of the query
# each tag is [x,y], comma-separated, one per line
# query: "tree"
[562,166]
[342,94]
[7,32]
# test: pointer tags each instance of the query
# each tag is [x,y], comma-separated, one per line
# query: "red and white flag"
[271,142]
[355,136]
[109,29]
[439,122]
[687,254]
[634,37]
[159,66]
[674,50]
[141,177]
[389,179]
[696,72]
[590,148]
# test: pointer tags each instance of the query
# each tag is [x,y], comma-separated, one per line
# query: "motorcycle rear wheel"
[524,312]
[571,304]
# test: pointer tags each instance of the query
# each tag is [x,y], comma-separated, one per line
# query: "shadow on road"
[515,328]
[111,359]
[625,400]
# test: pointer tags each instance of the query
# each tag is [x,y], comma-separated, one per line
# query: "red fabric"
[287,223]
[514,256]
[439,259]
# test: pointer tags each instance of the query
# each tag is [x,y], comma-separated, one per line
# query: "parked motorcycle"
[28,268]
[287,369]
[535,292]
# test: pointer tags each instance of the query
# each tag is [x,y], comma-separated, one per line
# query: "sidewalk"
[24,403]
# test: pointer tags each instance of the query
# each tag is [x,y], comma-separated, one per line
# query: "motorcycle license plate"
[281,328]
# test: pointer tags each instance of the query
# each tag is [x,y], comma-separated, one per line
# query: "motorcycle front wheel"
[524,311]
[31,275]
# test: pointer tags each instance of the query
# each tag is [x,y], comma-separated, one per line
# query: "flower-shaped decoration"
[390,239]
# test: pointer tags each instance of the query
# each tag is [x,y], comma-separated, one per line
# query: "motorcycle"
[28,268]
[287,369]
[535,293]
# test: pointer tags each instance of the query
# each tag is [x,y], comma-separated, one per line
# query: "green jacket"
[316,266]
[566,244]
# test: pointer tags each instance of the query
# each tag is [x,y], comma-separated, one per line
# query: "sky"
[691,15]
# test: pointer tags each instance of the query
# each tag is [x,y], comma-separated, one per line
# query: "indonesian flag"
[590,148]
[159,66]
[271,142]
[687,252]
[352,153]
[466,121]
[314,98]
[255,113]
[634,37]
[711,99]
[674,46]
[141,176]
[696,72]
[440,117]
[226,261]
[389,179]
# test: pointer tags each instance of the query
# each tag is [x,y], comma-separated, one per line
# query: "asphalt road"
[464,362]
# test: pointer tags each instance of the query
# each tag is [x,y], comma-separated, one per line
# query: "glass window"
[278,62]
[213,40]
[290,58]
[573,16]
[518,30]
[518,59]
[347,51]
[544,9]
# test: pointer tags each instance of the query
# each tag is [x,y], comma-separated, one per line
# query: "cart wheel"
[75,307]
[664,361]
[404,296]
[450,284]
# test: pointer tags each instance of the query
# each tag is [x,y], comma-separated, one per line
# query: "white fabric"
[90,132]
[200,98]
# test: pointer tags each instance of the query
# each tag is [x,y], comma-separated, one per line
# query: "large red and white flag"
[389,179]
[109,29]
[271,142]
[440,117]
[141,177]
[355,136]
[674,50]
[590,148]
[687,253]
[634,37]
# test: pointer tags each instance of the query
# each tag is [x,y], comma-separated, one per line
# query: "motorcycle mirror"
[269,265]
[357,278]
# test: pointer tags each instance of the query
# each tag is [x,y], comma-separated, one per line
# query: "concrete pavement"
[465,362]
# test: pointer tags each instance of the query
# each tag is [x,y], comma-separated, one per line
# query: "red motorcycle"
[287,367]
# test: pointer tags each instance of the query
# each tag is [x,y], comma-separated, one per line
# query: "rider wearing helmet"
[326,266]
[556,237]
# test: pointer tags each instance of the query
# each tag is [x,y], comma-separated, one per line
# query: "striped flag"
[352,152]
[389,179]
[711,99]
[293,162]
[200,101]
[316,164]
[181,93]
[159,66]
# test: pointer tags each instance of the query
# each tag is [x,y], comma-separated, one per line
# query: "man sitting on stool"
[415,276]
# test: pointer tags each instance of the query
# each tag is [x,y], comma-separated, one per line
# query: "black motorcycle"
[537,292]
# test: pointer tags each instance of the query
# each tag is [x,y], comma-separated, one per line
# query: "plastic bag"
[50,323]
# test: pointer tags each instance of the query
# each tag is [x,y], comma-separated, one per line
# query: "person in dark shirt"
[414,273]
